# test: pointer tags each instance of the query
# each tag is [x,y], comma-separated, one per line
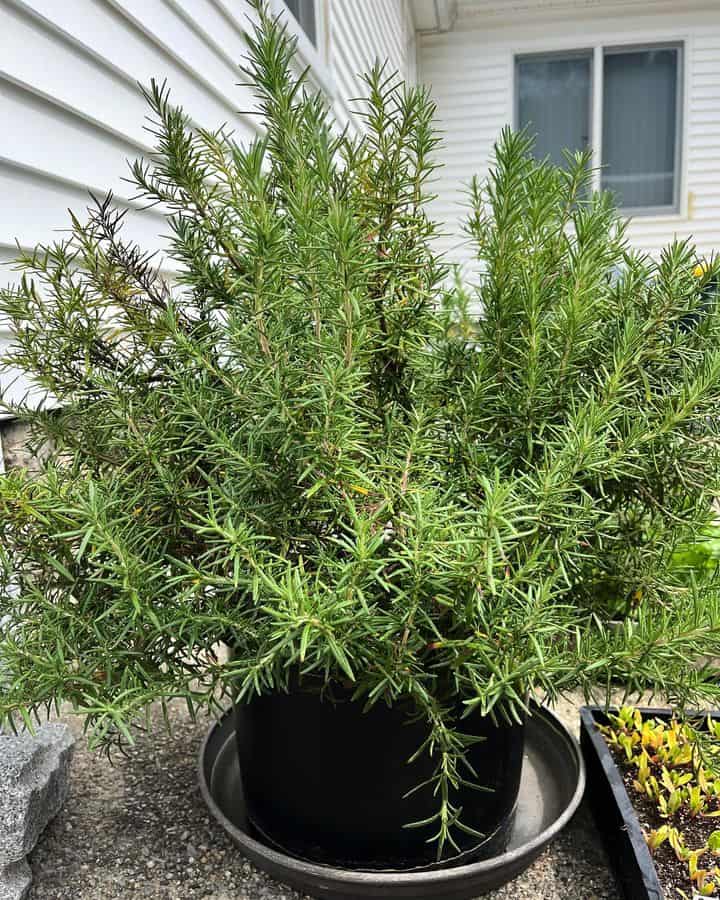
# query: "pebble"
[94,849]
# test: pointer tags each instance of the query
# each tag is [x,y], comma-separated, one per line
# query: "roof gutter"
[445,15]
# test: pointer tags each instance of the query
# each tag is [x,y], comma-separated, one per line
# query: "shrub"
[306,447]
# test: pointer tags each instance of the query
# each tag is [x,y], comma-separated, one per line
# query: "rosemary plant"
[305,446]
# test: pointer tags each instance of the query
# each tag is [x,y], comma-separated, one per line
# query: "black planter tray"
[553,781]
[613,811]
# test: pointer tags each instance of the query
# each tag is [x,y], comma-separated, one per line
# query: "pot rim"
[368,877]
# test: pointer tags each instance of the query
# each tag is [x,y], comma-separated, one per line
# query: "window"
[553,99]
[304,12]
[640,118]
[640,125]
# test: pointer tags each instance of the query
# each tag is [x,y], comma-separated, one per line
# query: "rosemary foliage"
[307,447]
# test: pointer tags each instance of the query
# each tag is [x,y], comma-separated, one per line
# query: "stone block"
[15,879]
[34,771]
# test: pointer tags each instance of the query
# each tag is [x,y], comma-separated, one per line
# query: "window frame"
[316,56]
[598,52]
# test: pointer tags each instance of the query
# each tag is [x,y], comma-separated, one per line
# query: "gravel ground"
[137,828]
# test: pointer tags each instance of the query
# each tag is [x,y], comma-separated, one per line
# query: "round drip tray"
[552,785]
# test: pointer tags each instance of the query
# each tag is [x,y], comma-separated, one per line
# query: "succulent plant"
[676,767]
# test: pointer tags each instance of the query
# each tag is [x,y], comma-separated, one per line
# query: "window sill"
[659,216]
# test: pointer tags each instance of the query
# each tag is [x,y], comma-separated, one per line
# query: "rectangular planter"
[613,811]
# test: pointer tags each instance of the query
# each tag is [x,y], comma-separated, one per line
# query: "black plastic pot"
[613,811]
[329,783]
[551,787]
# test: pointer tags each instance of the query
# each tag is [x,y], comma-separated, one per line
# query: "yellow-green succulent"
[676,767]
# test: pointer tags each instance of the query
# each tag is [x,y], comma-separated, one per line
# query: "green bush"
[307,448]
[702,555]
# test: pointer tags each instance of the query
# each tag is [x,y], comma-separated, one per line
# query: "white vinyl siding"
[361,34]
[71,113]
[70,109]
[471,73]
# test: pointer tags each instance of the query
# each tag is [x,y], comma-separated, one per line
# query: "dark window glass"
[640,126]
[553,97]
[304,12]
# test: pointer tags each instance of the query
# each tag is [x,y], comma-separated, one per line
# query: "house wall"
[361,33]
[471,72]
[71,113]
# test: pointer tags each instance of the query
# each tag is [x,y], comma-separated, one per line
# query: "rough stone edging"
[34,772]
